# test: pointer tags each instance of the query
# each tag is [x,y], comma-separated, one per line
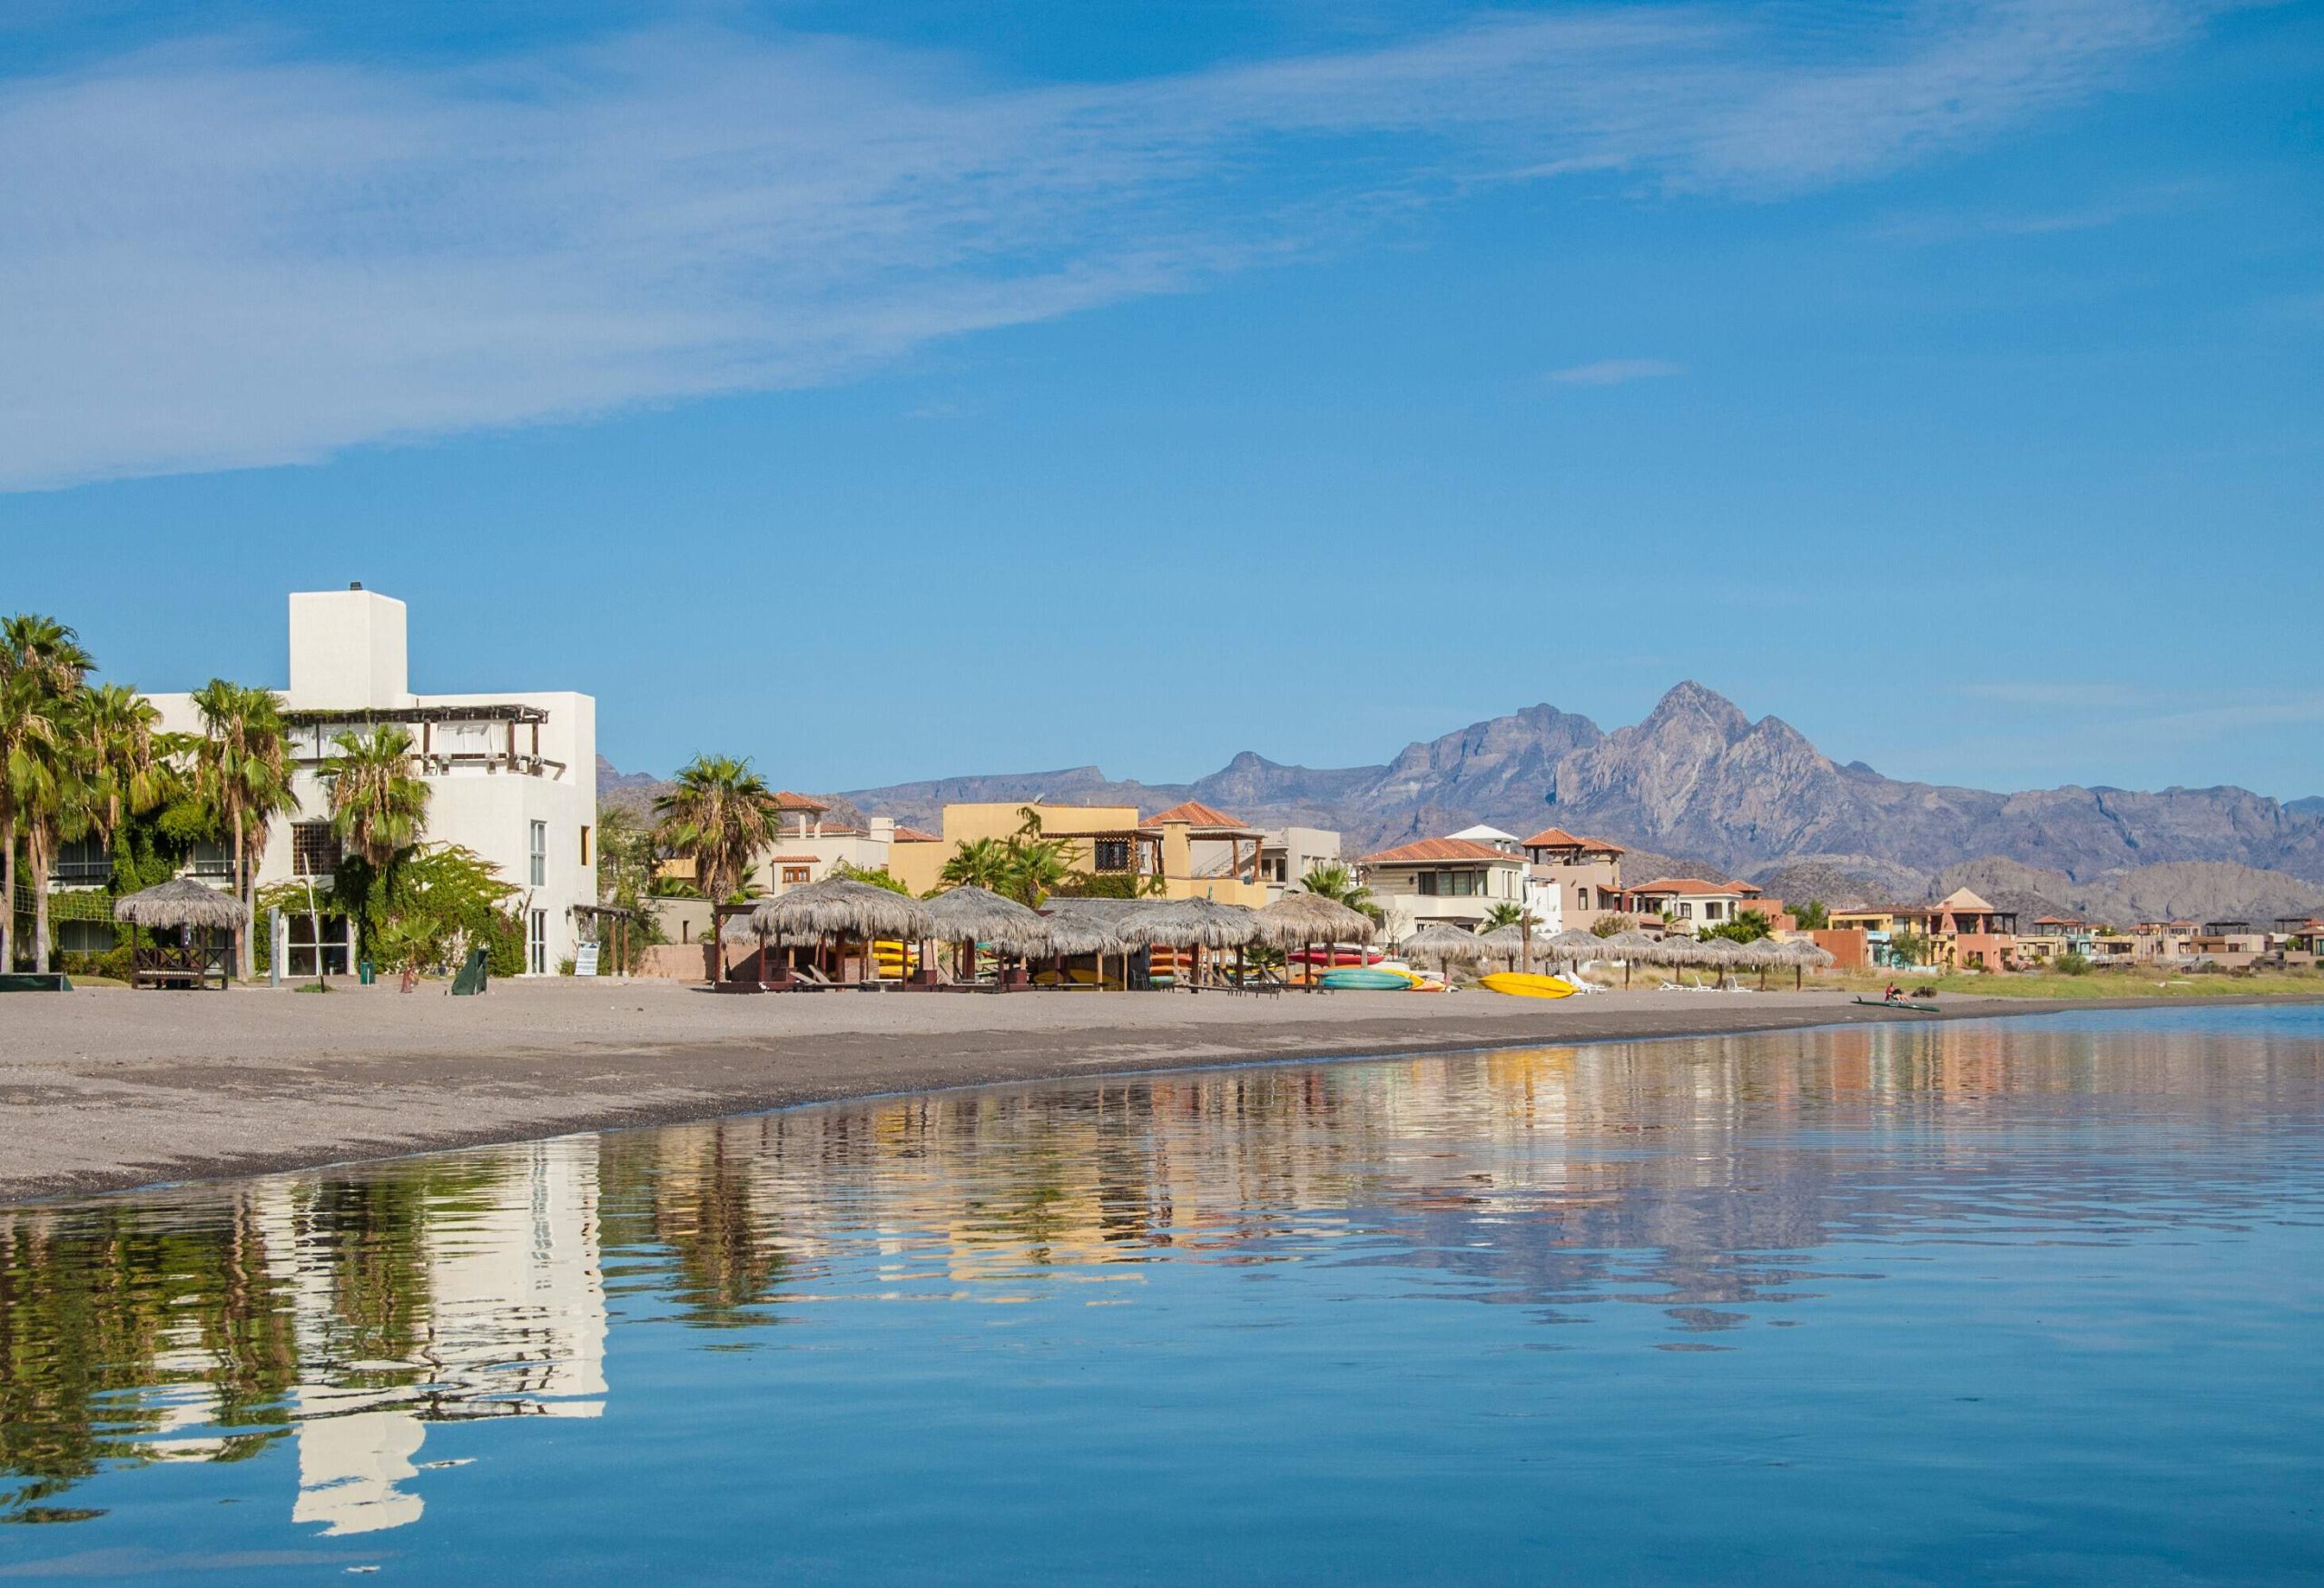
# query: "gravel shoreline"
[106,1090]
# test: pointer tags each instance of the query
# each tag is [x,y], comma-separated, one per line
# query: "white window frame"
[538,844]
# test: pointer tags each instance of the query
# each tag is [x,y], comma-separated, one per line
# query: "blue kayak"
[1364,979]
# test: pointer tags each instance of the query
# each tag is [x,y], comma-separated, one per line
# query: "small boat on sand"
[1896,1003]
[1525,984]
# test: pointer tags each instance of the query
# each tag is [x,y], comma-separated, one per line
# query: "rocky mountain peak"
[1690,708]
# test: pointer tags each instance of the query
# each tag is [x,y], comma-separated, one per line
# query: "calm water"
[2033,1301]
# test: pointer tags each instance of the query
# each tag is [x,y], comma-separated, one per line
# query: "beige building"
[1289,853]
[1190,851]
[1453,881]
[1571,882]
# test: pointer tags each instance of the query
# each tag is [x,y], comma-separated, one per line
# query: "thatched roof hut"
[1637,947]
[971,915]
[834,908]
[1805,954]
[1296,920]
[1446,945]
[1187,924]
[180,902]
[1573,943]
[1508,940]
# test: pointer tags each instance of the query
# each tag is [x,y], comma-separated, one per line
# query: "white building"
[510,774]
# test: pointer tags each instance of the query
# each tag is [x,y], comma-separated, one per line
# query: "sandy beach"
[105,1088]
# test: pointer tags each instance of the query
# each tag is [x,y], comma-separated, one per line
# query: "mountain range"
[1701,781]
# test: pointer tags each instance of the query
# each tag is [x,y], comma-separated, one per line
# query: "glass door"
[537,943]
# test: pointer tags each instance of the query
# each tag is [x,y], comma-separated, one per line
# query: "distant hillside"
[636,792]
[1700,778]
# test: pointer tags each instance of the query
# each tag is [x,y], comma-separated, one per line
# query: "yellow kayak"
[1521,984]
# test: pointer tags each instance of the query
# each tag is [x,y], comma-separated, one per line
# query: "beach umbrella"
[838,908]
[1802,956]
[180,902]
[973,915]
[1760,955]
[1720,955]
[1634,948]
[1192,923]
[1507,941]
[1301,920]
[1573,945]
[1446,944]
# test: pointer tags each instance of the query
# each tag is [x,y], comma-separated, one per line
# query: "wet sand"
[104,1089]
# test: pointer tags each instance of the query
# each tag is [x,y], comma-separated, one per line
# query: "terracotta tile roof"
[1692,885]
[2061,921]
[785,799]
[914,836]
[1428,849]
[1747,888]
[794,859]
[1195,813]
[1559,838]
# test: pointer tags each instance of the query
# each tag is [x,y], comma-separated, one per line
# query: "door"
[537,943]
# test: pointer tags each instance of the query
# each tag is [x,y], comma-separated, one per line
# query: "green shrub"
[112,963]
[2072,965]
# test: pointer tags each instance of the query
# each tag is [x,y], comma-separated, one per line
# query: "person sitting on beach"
[1892,995]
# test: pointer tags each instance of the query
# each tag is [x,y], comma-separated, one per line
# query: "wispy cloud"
[2063,693]
[1615,371]
[216,257]
[1944,226]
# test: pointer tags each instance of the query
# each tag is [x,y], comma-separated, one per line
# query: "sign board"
[584,958]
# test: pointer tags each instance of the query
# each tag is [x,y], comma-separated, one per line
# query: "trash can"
[363,973]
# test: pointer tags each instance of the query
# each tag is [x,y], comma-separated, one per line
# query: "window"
[1686,912]
[584,846]
[537,931]
[796,873]
[1110,855]
[217,860]
[1710,910]
[540,853]
[83,860]
[1581,898]
[314,851]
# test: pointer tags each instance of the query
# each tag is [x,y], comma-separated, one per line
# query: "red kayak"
[1336,956]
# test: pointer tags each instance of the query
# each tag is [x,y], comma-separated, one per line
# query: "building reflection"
[345,1314]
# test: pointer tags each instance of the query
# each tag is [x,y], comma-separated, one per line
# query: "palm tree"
[719,814]
[1508,914]
[125,760]
[980,862]
[241,772]
[43,667]
[1032,867]
[377,808]
[24,730]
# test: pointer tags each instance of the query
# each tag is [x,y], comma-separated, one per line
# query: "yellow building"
[1192,851]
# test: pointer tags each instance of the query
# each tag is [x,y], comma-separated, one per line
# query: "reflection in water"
[344,1313]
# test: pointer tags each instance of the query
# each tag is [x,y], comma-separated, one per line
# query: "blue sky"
[931,389]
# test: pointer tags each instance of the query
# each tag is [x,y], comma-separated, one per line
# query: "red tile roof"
[1559,838]
[1693,885]
[785,799]
[914,836]
[1428,849]
[1195,813]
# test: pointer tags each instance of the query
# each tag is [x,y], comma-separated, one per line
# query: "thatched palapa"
[1296,920]
[973,915]
[1192,923]
[836,908]
[180,902]
[1446,945]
